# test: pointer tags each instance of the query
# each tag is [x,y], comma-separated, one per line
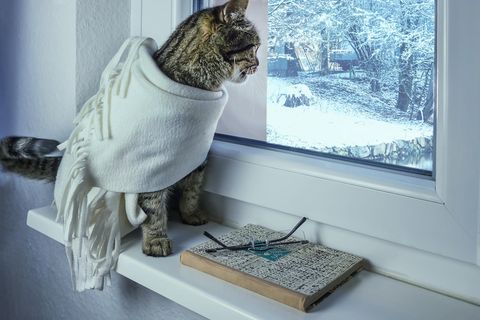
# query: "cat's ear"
[234,10]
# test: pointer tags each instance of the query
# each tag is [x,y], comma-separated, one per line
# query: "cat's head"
[237,39]
[212,46]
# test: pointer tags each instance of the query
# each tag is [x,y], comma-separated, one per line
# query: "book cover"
[297,274]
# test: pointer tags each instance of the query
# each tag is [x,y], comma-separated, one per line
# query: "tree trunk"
[405,77]
[292,65]
[374,70]
[324,52]
[405,80]
[426,114]
[365,55]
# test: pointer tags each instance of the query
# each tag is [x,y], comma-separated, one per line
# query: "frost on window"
[353,78]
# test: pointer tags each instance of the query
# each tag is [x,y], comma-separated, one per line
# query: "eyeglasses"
[257,245]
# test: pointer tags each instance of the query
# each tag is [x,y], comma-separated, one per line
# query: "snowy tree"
[370,34]
[393,40]
[416,54]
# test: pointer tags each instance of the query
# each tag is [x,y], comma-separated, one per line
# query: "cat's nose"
[252,69]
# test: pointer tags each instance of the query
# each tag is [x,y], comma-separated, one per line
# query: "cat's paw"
[157,247]
[196,218]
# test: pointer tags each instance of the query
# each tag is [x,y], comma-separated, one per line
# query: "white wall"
[47,67]
[37,67]
[102,26]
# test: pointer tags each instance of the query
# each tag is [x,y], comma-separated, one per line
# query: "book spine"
[262,287]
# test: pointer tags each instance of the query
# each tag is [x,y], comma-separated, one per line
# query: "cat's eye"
[242,49]
[246,48]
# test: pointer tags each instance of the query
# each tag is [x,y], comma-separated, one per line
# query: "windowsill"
[366,296]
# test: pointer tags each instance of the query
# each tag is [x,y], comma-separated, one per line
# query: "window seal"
[283,148]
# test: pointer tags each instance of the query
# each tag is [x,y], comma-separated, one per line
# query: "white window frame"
[439,217]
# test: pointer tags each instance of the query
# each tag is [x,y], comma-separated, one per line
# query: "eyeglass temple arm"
[302,221]
[211,237]
[223,246]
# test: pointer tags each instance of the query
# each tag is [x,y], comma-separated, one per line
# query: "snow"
[299,90]
[335,119]
[368,53]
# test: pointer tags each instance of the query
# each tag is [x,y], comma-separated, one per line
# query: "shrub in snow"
[295,95]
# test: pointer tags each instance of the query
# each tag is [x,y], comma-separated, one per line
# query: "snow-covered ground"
[341,113]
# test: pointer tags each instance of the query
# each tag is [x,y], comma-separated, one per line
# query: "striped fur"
[154,229]
[26,156]
[210,47]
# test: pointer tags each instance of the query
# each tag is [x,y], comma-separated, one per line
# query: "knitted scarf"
[141,132]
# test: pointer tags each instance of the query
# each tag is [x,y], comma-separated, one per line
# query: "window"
[381,204]
[198,5]
[351,78]
[405,224]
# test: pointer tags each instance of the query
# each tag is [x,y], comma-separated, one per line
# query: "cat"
[210,47]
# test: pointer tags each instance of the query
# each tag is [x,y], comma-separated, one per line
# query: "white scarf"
[141,132]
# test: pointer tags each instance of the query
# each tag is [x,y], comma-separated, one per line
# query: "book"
[297,275]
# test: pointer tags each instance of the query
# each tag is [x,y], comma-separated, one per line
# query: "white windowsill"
[366,296]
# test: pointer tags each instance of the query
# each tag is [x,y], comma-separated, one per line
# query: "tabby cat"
[210,47]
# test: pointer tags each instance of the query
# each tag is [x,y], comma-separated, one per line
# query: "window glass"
[348,78]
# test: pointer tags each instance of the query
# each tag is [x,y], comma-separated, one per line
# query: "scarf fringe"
[91,215]
[91,226]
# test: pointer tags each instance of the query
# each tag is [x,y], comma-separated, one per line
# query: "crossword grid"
[306,269]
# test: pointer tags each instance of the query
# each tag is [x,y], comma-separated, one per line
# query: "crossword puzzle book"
[297,275]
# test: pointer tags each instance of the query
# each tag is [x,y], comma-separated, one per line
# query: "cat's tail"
[28,157]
